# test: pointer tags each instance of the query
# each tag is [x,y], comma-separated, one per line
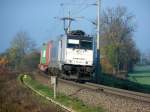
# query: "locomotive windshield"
[72,43]
[79,44]
[85,44]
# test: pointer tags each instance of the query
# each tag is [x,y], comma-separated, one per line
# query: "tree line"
[118,50]
[22,54]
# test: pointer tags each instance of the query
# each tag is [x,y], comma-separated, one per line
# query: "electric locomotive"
[71,56]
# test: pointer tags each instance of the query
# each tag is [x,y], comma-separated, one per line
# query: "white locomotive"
[73,54]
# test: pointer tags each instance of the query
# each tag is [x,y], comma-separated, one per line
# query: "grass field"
[140,75]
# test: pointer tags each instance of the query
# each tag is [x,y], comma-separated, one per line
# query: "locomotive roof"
[80,37]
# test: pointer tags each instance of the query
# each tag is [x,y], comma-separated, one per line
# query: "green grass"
[73,103]
[140,75]
[112,81]
[142,68]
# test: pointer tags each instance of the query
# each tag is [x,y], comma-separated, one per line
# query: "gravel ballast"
[112,103]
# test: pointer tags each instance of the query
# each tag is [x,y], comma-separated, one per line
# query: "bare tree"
[21,45]
[117,45]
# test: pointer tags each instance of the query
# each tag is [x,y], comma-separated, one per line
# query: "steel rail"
[110,90]
[115,91]
[121,92]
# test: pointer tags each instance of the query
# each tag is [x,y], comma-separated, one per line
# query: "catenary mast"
[98,43]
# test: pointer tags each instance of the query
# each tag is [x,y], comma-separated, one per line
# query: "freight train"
[71,56]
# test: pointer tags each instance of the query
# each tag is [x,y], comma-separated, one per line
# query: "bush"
[112,81]
[30,62]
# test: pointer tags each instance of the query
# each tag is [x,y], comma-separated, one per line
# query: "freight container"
[45,56]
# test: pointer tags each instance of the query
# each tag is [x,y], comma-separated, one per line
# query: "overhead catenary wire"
[79,6]
[54,25]
[82,6]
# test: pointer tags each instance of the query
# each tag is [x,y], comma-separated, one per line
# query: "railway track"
[110,90]
[115,91]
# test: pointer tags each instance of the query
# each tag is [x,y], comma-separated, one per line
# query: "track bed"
[94,97]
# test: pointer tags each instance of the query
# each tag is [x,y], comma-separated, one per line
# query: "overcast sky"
[36,17]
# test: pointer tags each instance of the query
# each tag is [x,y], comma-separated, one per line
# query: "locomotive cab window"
[73,43]
[85,44]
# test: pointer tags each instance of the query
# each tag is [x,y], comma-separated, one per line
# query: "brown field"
[14,97]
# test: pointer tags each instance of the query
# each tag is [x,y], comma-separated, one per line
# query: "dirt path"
[14,97]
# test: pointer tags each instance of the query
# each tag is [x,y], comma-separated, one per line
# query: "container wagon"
[72,54]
